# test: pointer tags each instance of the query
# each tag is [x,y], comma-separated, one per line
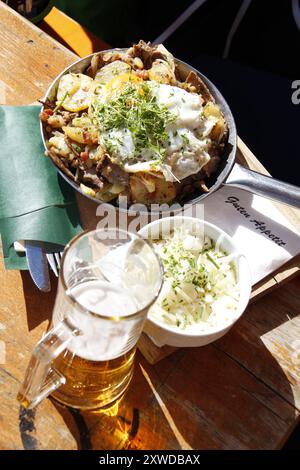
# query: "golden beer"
[92,384]
[107,283]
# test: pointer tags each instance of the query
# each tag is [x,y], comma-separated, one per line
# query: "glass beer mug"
[108,280]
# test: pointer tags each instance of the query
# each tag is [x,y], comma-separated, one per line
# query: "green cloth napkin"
[35,202]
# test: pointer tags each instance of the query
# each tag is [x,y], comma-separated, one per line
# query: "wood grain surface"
[242,392]
[29,59]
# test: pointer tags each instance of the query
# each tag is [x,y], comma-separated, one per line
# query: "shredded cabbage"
[200,285]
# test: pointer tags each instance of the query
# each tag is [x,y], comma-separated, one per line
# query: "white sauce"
[187,143]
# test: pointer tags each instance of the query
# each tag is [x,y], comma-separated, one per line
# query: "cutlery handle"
[263,185]
[38,265]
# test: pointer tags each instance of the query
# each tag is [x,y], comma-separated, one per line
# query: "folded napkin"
[35,202]
[261,231]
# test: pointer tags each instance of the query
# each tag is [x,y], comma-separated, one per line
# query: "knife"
[38,265]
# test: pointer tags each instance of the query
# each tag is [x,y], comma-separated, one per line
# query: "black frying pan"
[244,178]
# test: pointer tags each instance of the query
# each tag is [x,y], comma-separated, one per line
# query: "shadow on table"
[110,428]
[39,305]
[198,398]
[122,425]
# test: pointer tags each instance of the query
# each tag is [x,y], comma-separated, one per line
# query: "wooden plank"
[196,406]
[266,341]
[226,410]
[30,59]
[43,428]
[151,352]
[193,406]
[285,273]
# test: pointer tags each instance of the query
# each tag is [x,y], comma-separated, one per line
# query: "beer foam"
[104,298]
[101,339]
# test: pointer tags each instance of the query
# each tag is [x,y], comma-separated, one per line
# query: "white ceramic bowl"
[163,334]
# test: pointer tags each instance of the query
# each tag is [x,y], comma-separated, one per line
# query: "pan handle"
[263,185]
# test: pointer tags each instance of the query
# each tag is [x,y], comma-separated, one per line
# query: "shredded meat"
[96,63]
[47,103]
[109,57]
[194,80]
[68,116]
[148,53]
[211,166]
[90,176]
[201,185]
[78,175]
[56,120]
[215,150]
[113,173]
[58,162]
[71,147]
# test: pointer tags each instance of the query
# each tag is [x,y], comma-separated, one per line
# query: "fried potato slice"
[212,109]
[87,190]
[162,191]
[74,92]
[219,131]
[161,72]
[148,181]
[82,121]
[75,133]
[58,142]
[80,135]
[109,71]
[104,196]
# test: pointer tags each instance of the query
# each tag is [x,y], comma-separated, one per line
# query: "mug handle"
[40,378]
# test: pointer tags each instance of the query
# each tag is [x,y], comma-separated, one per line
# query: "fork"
[54,261]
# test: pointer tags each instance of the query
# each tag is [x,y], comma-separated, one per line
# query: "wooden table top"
[241,392]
